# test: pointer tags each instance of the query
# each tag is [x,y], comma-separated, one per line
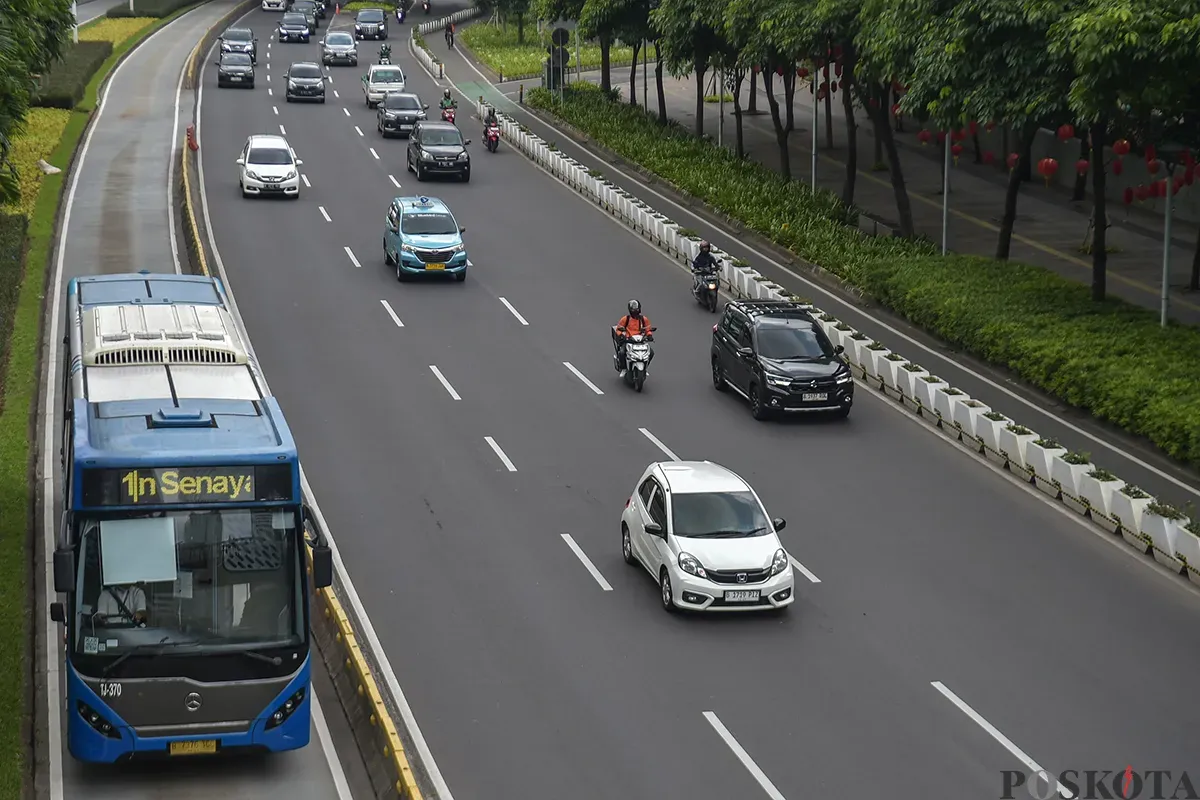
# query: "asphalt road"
[119,222]
[529,679]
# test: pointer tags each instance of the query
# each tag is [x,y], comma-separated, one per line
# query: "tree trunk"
[849,61]
[887,111]
[1194,283]
[739,138]
[637,48]
[520,29]
[701,68]
[828,118]
[658,85]
[783,128]
[1025,164]
[1080,191]
[1099,205]
[1011,194]
[606,62]
[978,147]
[883,130]
[752,106]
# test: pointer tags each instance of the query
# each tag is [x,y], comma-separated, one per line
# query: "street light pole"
[946,197]
[816,117]
[1166,256]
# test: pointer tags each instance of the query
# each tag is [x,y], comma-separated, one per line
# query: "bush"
[1110,359]
[39,135]
[496,46]
[64,85]
[12,246]
[114,30]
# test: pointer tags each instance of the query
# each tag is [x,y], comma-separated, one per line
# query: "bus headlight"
[97,722]
[281,714]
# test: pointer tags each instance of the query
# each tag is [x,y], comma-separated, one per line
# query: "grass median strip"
[1110,359]
[497,47]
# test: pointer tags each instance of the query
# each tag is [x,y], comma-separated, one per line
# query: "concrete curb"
[1152,529]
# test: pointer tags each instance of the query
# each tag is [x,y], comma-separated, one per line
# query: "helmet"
[635,308]
[705,247]
[446,94]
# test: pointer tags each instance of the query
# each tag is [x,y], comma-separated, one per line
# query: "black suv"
[437,148]
[294,27]
[309,9]
[304,81]
[773,353]
[371,23]
[240,40]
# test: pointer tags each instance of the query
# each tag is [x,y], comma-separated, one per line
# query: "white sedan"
[704,535]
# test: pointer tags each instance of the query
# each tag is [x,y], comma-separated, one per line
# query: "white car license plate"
[745,596]
[235,77]
[812,397]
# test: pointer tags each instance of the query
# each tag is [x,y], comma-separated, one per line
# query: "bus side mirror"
[322,566]
[58,612]
[64,571]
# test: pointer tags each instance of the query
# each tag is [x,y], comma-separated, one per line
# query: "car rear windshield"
[792,343]
[237,36]
[294,19]
[717,515]
[305,71]
[387,76]
[339,38]
[370,15]
[432,224]
[304,5]
[276,156]
[402,101]
[441,137]
[237,59]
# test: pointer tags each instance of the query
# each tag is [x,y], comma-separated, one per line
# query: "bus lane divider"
[346,657]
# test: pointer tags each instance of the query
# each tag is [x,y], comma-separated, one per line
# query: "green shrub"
[496,46]
[64,84]
[1110,359]
[12,245]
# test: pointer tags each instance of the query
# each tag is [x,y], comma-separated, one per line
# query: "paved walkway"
[1050,229]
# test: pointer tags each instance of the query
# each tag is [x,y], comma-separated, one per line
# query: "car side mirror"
[64,571]
[322,566]
[241,162]
[780,523]
[426,107]
[838,350]
[58,612]
[467,143]
[745,352]
[299,162]
[462,230]
[654,529]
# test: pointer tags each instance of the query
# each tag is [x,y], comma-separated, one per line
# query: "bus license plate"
[813,397]
[435,266]
[742,597]
[199,748]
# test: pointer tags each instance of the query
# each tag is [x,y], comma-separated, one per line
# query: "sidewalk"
[1049,230]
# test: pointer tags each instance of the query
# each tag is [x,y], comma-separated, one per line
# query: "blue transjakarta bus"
[181,553]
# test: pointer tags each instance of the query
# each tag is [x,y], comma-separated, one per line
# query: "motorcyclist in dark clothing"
[704,265]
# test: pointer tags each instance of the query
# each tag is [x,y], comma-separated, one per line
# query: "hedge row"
[1110,359]
[149,8]
[12,246]
[63,86]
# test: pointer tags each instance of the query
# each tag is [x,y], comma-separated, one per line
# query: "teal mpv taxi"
[422,237]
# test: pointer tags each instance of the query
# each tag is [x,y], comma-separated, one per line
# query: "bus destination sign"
[157,486]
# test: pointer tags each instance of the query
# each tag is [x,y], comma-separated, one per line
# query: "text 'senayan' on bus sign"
[158,486]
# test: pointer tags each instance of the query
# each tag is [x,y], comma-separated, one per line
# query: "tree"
[628,20]
[603,20]
[514,9]
[33,35]
[686,43]
[987,61]
[1112,46]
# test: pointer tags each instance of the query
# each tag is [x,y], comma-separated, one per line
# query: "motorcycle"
[425,5]
[637,358]
[706,289]
[450,39]
[491,138]
[385,54]
[401,11]
[448,115]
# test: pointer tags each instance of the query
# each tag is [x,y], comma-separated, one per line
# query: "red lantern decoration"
[941,137]
[833,86]
[1120,147]
[779,71]
[755,68]
[1141,192]
[822,93]
[825,72]
[874,101]
[897,111]
[1155,190]
[991,126]
[1012,161]
[1065,132]
[802,72]
[989,157]
[956,151]
[924,136]
[1047,167]
[1127,195]
[1152,167]
[1081,166]
[837,70]
[1151,153]
[958,136]
[837,51]
[1118,166]
[973,128]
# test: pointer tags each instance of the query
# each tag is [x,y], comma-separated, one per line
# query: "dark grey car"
[304,82]
[294,28]
[438,148]
[398,113]
[309,9]
[235,69]
[240,40]
[339,47]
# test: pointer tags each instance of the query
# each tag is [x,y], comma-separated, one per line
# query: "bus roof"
[146,287]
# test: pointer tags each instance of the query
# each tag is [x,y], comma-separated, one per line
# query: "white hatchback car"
[268,165]
[704,535]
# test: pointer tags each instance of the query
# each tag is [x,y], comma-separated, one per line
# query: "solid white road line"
[389,673]
[659,444]
[304,178]
[372,149]
[582,377]
[438,374]
[796,565]
[350,253]
[358,130]
[587,562]
[283,130]
[499,453]
[171,174]
[391,313]
[395,182]
[276,110]
[992,731]
[345,111]
[324,213]
[339,776]
[515,313]
[744,757]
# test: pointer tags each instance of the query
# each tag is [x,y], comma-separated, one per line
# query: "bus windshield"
[183,582]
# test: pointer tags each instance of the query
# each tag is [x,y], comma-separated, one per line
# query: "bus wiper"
[161,645]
